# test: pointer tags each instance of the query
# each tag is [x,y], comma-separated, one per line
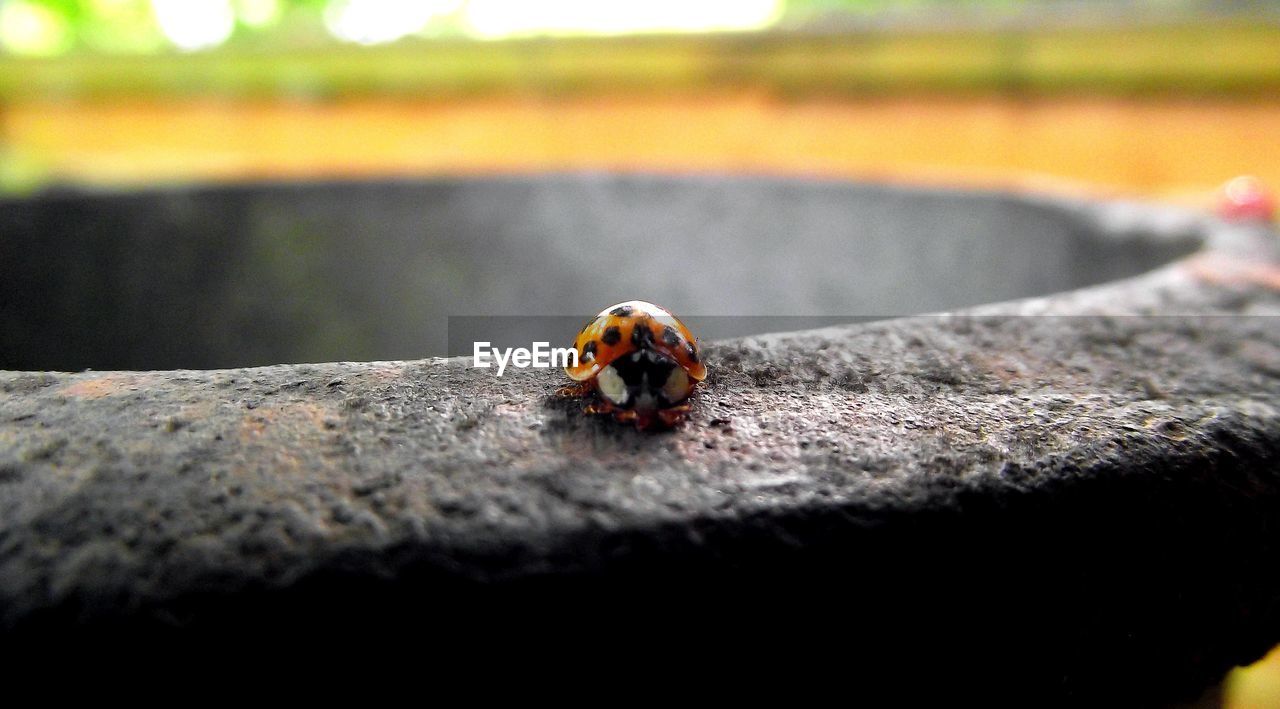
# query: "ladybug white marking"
[612,386]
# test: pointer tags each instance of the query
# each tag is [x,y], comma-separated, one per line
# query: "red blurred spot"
[1245,198]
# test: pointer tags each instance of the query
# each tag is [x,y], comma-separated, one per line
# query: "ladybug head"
[644,380]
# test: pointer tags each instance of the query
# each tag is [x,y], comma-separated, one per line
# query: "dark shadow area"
[1098,590]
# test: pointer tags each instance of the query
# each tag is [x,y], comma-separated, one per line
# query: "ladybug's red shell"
[626,327]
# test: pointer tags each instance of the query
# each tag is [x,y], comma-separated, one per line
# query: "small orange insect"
[641,361]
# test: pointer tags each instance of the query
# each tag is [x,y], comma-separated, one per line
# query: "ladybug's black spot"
[589,349]
[693,352]
[622,311]
[670,337]
[642,336]
[611,335]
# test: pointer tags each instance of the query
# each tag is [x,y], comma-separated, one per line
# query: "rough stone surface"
[1064,498]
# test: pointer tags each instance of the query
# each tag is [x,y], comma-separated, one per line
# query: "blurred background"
[1160,99]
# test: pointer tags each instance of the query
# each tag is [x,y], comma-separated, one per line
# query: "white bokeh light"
[258,13]
[27,28]
[379,21]
[508,18]
[195,24]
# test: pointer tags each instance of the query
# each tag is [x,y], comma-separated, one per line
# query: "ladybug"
[640,361]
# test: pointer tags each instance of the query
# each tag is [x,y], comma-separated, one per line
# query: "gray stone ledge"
[1079,489]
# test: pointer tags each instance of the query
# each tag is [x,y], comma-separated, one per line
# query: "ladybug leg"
[674,415]
[599,406]
[646,422]
[625,415]
[577,390]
